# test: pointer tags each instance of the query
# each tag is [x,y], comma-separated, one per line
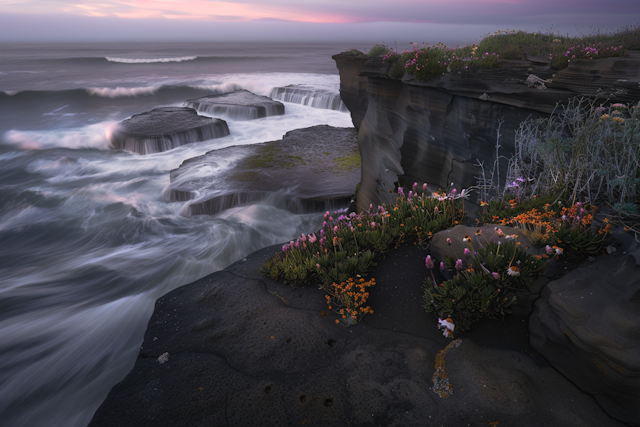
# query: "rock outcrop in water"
[310,170]
[304,95]
[238,105]
[164,129]
[437,131]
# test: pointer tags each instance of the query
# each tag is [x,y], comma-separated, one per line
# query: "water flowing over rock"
[310,170]
[238,105]
[587,324]
[300,94]
[164,129]
[437,131]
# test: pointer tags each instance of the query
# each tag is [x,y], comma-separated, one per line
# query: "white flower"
[513,271]
[446,326]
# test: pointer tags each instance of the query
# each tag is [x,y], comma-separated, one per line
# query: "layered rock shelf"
[238,105]
[587,324]
[237,349]
[310,170]
[300,94]
[164,129]
[437,131]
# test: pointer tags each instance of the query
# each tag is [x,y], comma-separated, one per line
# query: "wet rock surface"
[164,129]
[310,170]
[436,132]
[238,105]
[587,324]
[311,97]
[243,350]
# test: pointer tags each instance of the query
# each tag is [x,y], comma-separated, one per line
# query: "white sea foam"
[149,60]
[121,92]
[92,136]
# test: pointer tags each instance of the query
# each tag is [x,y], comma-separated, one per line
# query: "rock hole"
[267,389]
[142,356]
[328,401]
[331,342]
[303,398]
[288,340]
[264,323]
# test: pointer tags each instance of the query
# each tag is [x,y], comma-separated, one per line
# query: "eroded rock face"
[587,324]
[310,170]
[353,87]
[238,105]
[437,131]
[164,129]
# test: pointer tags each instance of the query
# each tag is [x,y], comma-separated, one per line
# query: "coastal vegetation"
[571,177]
[428,61]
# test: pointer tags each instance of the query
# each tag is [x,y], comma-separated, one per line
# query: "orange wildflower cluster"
[350,296]
[535,220]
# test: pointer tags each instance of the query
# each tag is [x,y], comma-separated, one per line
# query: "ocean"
[87,242]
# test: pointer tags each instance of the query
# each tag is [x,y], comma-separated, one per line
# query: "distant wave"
[163,92]
[121,92]
[150,60]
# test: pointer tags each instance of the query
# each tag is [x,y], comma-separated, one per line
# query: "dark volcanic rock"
[437,131]
[166,128]
[353,87]
[587,324]
[238,105]
[300,94]
[240,350]
[311,169]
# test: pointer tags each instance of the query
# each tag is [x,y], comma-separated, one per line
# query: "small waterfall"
[280,200]
[164,129]
[310,97]
[238,105]
[149,145]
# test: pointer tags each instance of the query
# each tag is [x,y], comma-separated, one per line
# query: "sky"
[303,20]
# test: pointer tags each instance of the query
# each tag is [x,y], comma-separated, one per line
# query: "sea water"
[87,243]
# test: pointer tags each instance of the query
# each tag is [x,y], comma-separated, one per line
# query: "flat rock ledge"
[164,129]
[310,170]
[238,105]
[237,349]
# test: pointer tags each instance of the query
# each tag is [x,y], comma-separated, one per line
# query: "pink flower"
[285,247]
[459,264]
[448,241]
[373,225]
[442,266]
[549,250]
[424,186]
[312,238]
[335,229]
[429,262]
[495,275]
[467,253]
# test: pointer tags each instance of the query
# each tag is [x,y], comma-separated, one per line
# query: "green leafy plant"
[484,281]
[379,49]
[429,61]
[347,245]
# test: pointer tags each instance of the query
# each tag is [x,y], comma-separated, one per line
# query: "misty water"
[87,241]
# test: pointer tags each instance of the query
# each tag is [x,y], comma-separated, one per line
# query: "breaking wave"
[149,60]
